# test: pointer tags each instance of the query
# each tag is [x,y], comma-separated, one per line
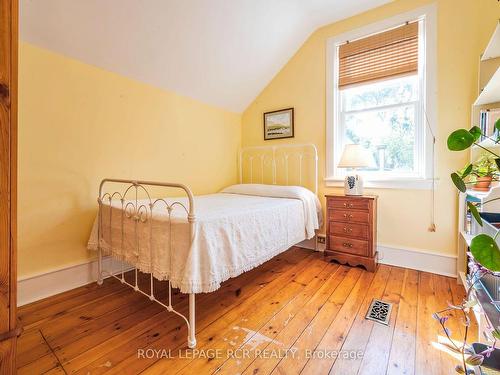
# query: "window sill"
[390,183]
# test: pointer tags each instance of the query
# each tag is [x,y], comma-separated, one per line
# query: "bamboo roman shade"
[384,55]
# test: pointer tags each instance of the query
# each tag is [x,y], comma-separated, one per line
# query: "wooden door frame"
[9,328]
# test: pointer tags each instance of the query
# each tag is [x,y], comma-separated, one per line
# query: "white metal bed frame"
[268,158]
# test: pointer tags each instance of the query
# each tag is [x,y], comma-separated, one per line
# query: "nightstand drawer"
[348,245]
[349,203]
[349,230]
[349,216]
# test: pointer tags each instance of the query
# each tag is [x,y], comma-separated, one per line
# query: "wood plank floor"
[288,316]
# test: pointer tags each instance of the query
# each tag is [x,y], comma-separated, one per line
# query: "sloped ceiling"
[221,52]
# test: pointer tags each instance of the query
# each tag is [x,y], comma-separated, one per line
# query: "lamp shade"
[356,156]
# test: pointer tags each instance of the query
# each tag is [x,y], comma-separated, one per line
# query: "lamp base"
[353,185]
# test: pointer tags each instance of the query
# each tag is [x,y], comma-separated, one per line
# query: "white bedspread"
[236,230]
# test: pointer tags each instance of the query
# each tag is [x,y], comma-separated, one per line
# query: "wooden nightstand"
[351,232]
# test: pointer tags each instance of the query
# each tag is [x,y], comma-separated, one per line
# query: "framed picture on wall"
[278,124]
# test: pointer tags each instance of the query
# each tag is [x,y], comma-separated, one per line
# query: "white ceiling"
[221,52]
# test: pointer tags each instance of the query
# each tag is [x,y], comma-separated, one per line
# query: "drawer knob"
[350,205]
[347,244]
[347,230]
[347,216]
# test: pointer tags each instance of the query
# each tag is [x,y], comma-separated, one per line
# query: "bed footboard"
[137,204]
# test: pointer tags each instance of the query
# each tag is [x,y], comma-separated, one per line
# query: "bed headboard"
[290,164]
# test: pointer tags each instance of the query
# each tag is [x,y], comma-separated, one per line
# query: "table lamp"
[355,156]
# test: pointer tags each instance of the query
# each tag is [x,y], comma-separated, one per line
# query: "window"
[378,95]
[382,117]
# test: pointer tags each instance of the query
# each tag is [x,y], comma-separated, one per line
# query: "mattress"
[235,231]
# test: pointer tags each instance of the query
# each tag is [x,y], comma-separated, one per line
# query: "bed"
[196,243]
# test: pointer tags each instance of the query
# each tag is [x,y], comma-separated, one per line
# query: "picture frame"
[279,124]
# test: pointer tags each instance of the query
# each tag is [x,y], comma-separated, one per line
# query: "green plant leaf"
[473,210]
[459,183]
[496,334]
[460,140]
[497,162]
[466,171]
[485,165]
[497,125]
[476,132]
[486,252]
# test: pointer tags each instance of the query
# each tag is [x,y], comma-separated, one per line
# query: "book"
[487,119]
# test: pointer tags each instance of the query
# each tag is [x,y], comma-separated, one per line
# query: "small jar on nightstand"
[351,231]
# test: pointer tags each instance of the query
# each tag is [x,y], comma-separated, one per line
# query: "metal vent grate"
[379,311]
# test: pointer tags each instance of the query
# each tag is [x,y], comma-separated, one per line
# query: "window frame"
[427,106]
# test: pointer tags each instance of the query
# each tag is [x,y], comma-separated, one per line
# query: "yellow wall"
[79,124]
[464,26]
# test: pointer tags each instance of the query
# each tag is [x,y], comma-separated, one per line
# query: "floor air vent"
[379,311]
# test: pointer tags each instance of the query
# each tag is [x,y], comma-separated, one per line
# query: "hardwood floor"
[271,320]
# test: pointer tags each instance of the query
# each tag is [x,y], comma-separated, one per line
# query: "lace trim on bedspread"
[190,286]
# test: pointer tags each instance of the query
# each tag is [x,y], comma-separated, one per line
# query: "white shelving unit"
[491,92]
[492,50]
[489,97]
[464,238]
[467,237]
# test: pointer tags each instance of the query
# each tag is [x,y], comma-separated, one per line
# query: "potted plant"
[484,252]
[484,170]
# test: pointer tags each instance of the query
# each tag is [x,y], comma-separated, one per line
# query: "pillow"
[278,191]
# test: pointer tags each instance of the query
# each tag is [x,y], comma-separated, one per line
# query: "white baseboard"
[416,259]
[36,287]
[421,260]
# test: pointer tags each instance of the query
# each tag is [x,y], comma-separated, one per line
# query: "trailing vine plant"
[484,254]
